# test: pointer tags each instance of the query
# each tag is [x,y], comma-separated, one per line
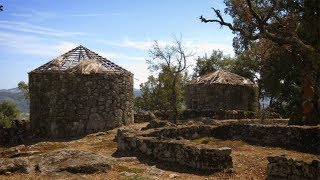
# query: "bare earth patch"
[249,161]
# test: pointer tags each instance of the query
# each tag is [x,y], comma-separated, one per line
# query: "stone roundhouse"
[221,90]
[78,93]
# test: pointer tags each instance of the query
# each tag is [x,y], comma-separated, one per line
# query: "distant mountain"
[16,96]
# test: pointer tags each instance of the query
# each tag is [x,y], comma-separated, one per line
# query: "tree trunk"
[174,100]
[310,96]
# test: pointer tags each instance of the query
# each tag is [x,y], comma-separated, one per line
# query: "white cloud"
[30,28]
[140,71]
[198,47]
[136,65]
[201,48]
[87,15]
[110,55]
[23,15]
[27,44]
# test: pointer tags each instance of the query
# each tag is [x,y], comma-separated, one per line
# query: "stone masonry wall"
[299,138]
[72,104]
[280,167]
[221,97]
[181,152]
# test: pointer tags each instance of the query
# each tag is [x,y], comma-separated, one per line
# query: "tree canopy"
[164,91]
[293,26]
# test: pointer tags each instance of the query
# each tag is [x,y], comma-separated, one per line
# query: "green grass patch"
[130,170]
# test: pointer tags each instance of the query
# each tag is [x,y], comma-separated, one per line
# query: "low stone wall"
[183,152]
[280,167]
[140,117]
[218,114]
[299,138]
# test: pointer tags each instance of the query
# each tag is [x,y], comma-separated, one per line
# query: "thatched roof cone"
[81,60]
[223,77]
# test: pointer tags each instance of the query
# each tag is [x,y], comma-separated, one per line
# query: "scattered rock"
[127,174]
[154,171]
[12,151]
[157,124]
[125,159]
[16,165]
[281,167]
[173,176]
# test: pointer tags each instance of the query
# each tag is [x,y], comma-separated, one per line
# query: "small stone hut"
[78,93]
[221,90]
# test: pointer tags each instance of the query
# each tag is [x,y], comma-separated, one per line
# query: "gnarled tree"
[292,24]
[171,61]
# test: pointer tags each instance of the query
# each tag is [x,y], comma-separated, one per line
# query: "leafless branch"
[220,20]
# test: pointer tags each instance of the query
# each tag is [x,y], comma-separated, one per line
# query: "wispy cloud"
[87,15]
[24,15]
[44,15]
[198,47]
[35,15]
[30,28]
[28,44]
[141,45]
[119,56]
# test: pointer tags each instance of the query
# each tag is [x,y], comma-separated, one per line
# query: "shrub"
[8,113]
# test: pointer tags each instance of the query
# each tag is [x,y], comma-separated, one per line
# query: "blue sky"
[34,32]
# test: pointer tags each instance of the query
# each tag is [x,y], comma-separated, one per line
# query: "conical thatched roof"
[82,60]
[222,77]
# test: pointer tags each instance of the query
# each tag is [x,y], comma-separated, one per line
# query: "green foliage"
[24,88]
[216,61]
[8,113]
[157,93]
[165,93]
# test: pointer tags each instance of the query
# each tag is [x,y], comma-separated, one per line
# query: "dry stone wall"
[299,138]
[281,167]
[72,104]
[181,152]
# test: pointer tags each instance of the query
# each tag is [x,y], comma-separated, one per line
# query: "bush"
[8,113]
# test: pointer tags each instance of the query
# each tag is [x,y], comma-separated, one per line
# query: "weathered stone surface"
[280,167]
[299,138]
[72,161]
[71,104]
[183,152]
[144,117]
[221,96]
[158,124]
[16,165]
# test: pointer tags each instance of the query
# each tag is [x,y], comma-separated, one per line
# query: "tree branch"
[220,21]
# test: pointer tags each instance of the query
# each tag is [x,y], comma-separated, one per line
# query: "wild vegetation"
[291,26]
[8,113]
[276,45]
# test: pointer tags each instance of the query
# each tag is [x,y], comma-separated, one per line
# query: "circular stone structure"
[221,90]
[79,93]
